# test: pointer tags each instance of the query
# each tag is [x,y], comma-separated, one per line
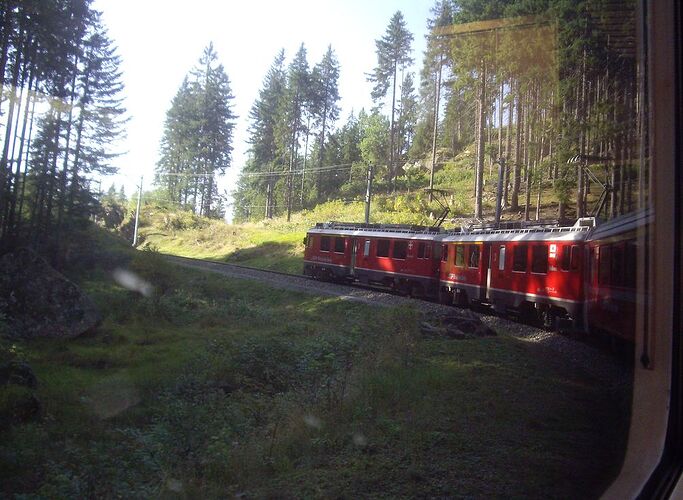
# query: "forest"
[61,114]
[548,89]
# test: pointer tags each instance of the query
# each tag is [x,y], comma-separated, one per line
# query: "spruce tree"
[325,78]
[266,156]
[393,53]
[197,141]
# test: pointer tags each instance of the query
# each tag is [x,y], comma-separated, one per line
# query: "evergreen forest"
[546,92]
[549,89]
[61,113]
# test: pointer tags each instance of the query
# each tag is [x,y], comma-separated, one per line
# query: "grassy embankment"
[213,387]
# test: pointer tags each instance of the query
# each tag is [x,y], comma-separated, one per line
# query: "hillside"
[278,244]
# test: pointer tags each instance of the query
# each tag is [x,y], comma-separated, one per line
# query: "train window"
[444,253]
[501,258]
[474,255]
[421,248]
[325,244]
[383,248]
[592,268]
[617,266]
[460,256]
[339,245]
[400,250]
[428,251]
[366,249]
[604,257]
[519,258]
[575,257]
[565,262]
[630,263]
[539,259]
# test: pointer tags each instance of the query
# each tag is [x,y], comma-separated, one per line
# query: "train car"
[534,271]
[401,257]
[610,277]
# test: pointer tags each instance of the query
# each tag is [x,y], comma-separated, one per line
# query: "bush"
[179,221]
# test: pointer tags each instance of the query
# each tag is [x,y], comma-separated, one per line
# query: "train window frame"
[399,250]
[444,253]
[459,256]
[539,262]
[473,252]
[653,462]
[381,244]
[325,243]
[338,239]
[501,258]
[520,255]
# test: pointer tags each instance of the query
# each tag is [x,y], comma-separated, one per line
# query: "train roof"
[400,231]
[622,224]
[541,234]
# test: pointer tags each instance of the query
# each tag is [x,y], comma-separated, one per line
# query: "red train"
[401,257]
[583,273]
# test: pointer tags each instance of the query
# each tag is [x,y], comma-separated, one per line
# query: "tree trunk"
[480,145]
[437,98]
[12,218]
[508,148]
[516,177]
[5,167]
[392,168]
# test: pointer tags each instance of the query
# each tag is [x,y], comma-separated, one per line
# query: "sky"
[159,42]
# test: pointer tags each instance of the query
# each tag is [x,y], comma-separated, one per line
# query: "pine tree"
[293,109]
[393,53]
[198,131]
[325,78]
[406,119]
[266,154]
[61,50]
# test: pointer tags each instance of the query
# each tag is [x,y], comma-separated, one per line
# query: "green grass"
[215,387]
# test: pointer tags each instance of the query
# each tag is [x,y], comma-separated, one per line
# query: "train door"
[485,274]
[354,252]
[489,266]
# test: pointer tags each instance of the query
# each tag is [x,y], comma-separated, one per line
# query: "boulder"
[18,403]
[456,324]
[37,301]
[18,373]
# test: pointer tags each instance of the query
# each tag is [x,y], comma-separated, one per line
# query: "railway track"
[594,361]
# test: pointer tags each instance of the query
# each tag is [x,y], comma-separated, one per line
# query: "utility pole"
[368,194]
[269,214]
[289,189]
[137,214]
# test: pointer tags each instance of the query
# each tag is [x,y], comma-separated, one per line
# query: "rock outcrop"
[38,301]
[457,324]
